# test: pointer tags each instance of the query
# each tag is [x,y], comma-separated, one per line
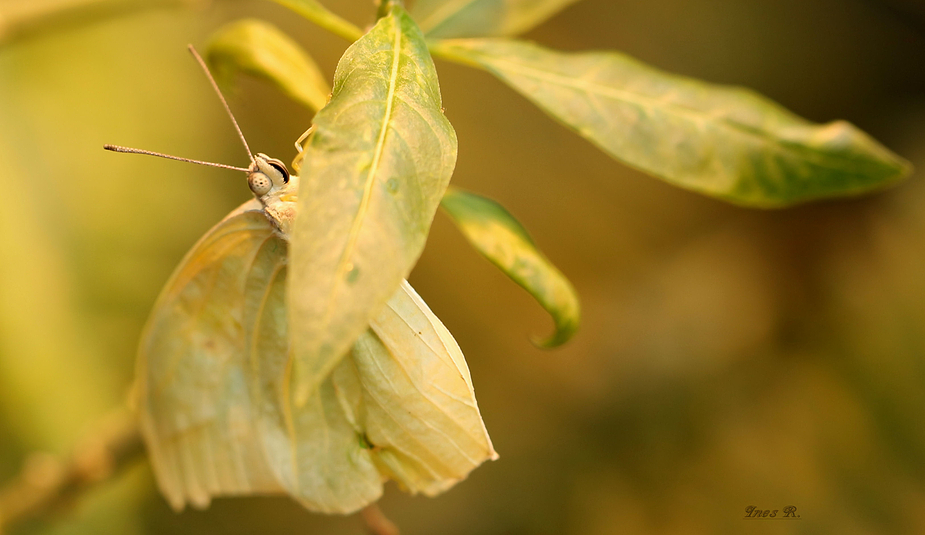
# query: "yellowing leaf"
[725,142]
[260,49]
[378,161]
[495,233]
[482,18]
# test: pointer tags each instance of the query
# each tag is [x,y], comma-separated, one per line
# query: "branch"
[47,483]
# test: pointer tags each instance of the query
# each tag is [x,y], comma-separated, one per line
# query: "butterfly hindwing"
[420,410]
[399,406]
[314,449]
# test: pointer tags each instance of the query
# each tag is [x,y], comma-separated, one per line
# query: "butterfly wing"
[314,449]
[192,381]
[401,406]
[420,413]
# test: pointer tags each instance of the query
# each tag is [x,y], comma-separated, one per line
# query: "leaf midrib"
[362,210]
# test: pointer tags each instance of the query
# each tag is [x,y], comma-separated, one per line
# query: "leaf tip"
[565,331]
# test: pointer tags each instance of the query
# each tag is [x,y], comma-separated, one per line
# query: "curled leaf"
[374,169]
[482,18]
[260,49]
[501,239]
[724,142]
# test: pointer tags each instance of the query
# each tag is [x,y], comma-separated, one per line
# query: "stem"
[385,6]
[32,19]
[376,521]
[47,482]
[443,49]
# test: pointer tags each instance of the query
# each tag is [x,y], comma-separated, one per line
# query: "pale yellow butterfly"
[214,364]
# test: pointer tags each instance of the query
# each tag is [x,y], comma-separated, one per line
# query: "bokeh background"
[727,358]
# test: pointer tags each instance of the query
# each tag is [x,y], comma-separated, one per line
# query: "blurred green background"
[727,358]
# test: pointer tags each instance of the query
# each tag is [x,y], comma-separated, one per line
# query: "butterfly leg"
[297,161]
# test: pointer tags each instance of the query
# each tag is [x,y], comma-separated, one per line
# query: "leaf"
[260,49]
[724,142]
[482,18]
[374,170]
[501,239]
[317,13]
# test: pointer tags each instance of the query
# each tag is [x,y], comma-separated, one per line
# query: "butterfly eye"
[279,166]
[259,183]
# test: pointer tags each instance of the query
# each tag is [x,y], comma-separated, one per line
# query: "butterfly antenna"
[117,148]
[222,98]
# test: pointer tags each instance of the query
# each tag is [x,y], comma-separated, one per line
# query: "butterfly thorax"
[276,190]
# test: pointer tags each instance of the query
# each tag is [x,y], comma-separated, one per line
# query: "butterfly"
[214,374]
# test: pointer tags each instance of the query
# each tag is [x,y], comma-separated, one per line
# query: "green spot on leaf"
[364,441]
[353,275]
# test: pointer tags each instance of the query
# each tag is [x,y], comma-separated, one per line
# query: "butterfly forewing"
[192,381]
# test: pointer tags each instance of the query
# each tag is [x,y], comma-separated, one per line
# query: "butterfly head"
[267,175]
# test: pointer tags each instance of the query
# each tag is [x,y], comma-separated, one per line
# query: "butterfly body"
[276,190]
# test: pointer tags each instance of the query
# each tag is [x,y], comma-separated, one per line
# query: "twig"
[376,521]
[47,482]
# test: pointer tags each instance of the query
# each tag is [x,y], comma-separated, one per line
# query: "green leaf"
[260,49]
[375,167]
[317,13]
[503,240]
[724,142]
[482,18]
